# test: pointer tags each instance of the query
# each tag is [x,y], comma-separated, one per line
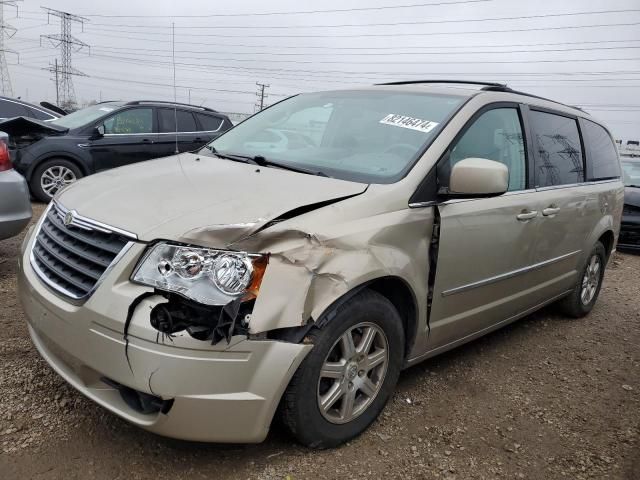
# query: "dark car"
[55,153]
[630,228]
[11,107]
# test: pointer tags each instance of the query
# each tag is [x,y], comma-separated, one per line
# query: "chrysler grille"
[72,253]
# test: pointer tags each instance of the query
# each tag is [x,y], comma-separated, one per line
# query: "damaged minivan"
[297,263]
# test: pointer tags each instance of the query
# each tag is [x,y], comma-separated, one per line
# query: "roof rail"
[492,88]
[461,82]
[141,102]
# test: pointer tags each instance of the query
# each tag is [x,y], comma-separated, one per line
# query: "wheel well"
[400,295]
[77,163]
[607,240]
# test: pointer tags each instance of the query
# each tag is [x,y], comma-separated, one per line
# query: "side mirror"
[98,131]
[474,177]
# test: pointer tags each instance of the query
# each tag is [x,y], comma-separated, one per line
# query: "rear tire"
[52,175]
[583,297]
[334,396]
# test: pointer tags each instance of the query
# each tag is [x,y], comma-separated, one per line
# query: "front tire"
[51,176]
[344,383]
[583,297]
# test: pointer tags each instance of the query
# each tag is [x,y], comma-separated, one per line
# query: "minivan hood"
[171,198]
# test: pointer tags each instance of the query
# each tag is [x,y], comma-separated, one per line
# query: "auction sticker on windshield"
[409,122]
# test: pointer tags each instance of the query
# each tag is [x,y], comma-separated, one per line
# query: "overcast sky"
[555,49]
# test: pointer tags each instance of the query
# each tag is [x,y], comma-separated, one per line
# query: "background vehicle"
[630,227]
[11,107]
[15,205]
[107,135]
[419,218]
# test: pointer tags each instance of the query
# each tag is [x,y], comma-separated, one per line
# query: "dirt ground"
[544,398]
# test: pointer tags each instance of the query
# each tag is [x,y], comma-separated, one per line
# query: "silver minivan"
[300,261]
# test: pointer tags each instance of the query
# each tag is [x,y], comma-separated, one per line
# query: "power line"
[325,47]
[299,12]
[320,73]
[430,62]
[468,52]
[387,24]
[361,35]
[465,52]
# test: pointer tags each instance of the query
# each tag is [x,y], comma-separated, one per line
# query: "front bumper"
[629,238]
[15,207]
[220,393]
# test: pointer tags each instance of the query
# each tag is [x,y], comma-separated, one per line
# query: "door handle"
[527,215]
[146,140]
[199,139]
[550,211]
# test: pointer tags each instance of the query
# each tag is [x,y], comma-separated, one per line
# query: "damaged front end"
[24,131]
[208,293]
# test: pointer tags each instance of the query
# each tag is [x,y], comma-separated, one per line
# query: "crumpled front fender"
[308,271]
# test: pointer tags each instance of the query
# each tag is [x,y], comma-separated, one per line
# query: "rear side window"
[208,123]
[11,109]
[602,156]
[557,149]
[495,135]
[167,118]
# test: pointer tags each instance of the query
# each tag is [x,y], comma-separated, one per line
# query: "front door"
[486,247]
[128,138]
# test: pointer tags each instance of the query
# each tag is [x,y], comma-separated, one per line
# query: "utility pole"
[68,44]
[8,31]
[261,95]
[57,84]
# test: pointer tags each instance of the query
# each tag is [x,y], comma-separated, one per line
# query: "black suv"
[11,107]
[107,135]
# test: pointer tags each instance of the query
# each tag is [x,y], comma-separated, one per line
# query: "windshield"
[364,136]
[85,116]
[631,171]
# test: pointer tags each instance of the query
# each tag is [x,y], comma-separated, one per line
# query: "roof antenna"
[175,97]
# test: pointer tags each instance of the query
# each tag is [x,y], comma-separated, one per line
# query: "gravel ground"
[544,398]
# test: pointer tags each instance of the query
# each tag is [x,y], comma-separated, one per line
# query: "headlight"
[206,275]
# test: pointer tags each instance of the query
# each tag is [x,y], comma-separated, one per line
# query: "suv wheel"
[583,297]
[344,383]
[52,175]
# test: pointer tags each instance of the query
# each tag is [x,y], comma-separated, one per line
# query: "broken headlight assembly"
[205,275]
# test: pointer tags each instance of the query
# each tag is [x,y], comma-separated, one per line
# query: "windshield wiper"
[262,161]
[235,158]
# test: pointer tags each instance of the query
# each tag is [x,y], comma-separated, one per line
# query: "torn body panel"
[308,271]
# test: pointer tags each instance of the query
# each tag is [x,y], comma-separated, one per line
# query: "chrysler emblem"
[68,218]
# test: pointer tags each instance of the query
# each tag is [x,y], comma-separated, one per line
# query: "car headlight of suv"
[206,275]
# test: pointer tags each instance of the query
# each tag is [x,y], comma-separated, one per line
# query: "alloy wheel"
[352,373]
[590,280]
[56,177]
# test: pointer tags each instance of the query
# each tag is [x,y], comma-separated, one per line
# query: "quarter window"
[209,123]
[558,152]
[495,135]
[134,120]
[602,156]
[167,117]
